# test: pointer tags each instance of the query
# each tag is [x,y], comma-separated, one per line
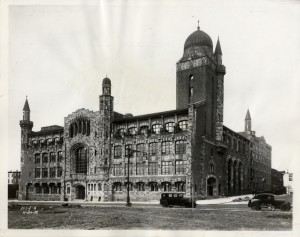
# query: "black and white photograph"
[162,118]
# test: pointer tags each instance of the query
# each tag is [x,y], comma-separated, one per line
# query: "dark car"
[270,201]
[176,199]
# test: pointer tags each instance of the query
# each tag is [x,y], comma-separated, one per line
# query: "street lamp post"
[128,204]
[130,152]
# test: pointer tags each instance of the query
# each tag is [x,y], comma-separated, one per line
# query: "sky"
[58,56]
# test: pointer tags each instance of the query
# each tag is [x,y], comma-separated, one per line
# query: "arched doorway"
[80,192]
[211,185]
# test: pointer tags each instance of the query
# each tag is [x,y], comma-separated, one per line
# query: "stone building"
[277,181]
[187,149]
[261,159]
[13,183]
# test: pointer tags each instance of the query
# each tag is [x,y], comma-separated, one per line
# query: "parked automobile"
[176,199]
[283,202]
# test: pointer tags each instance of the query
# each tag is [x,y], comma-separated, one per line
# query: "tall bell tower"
[199,79]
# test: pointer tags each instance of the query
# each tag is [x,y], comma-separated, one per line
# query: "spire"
[218,47]
[26,106]
[198,28]
[248,122]
[248,117]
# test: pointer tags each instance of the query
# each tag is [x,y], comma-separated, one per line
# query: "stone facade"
[185,150]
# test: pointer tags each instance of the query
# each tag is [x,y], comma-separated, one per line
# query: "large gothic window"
[81,160]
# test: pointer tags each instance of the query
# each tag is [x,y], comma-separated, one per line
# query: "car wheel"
[164,203]
[285,207]
[255,206]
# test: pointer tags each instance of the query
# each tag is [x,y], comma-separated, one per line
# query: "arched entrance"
[211,186]
[80,192]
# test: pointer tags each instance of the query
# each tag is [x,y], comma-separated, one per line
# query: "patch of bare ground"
[103,217]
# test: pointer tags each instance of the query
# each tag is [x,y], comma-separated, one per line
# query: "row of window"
[235,144]
[166,168]
[44,143]
[53,172]
[79,126]
[156,128]
[152,186]
[166,148]
[45,157]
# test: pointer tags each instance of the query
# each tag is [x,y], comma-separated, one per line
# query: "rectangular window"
[52,172]
[37,173]
[45,172]
[117,169]
[52,157]
[117,151]
[117,186]
[166,167]
[60,156]
[45,157]
[153,148]
[140,169]
[37,158]
[59,171]
[153,168]
[129,150]
[180,147]
[166,148]
[141,186]
[179,167]
[130,169]
[141,149]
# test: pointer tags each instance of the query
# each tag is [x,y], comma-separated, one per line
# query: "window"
[130,169]
[141,148]
[37,173]
[45,157]
[52,172]
[60,157]
[117,151]
[37,158]
[166,167]
[45,172]
[141,186]
[130,186]
[180,147]
[156,128]
[153,148]
[117,169]
[170,127]
[99,187]
[191,77]
[59,171]
[153,186]
[129,150]
[52,157]
[117,186]
[132,131]
[153,168]
[81,160]
[180,186]
[191,92]
[166,148]
[211,168]
[166,186]
[179,167]
[140,169]
[144,129]
[68,190]
[183,125]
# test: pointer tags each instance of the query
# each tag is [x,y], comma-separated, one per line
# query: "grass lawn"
[119,217]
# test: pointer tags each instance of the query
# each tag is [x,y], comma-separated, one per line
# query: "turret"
[218,52]
[248,122]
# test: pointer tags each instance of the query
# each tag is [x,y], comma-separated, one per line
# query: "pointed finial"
[198,28]
[26,97]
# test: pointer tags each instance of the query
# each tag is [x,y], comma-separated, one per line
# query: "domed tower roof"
[197,44]
[106,81]
[198,38]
